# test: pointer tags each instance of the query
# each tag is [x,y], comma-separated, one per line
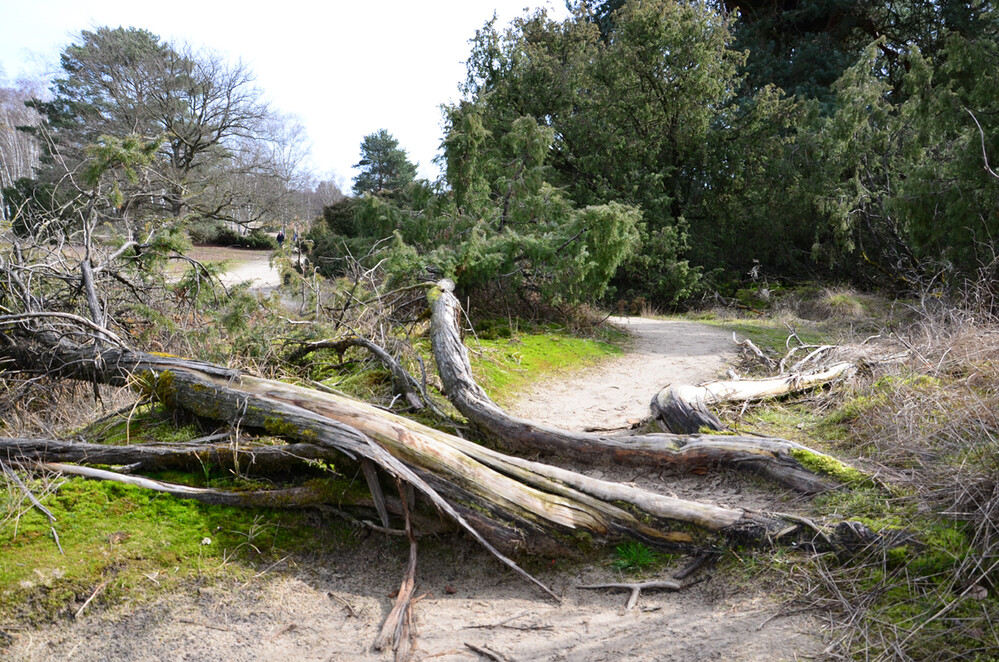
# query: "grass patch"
[506,366]
[139,541]
[770,334]
[634,557]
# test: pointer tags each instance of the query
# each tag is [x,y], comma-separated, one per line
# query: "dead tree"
[783,461]
[501,500]
[683,409]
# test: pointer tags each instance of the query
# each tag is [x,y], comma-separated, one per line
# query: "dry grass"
[47,408]
[930,424]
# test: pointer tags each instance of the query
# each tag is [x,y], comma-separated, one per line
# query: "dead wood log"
[772,458]
[684,409]
[514,503]
[258,459]
[281,498]
[397,629]
[358,430]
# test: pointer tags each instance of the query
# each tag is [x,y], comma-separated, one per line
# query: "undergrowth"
[927,426]
[922,416]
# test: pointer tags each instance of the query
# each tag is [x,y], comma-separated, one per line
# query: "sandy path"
[329,606]
[244,265]
[618,392]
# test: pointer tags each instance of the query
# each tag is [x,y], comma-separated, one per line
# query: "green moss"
[155,386]
[141,541]
[826,465]
[280,427]
[867,505]
[506,366]
[150,422]
[722,433]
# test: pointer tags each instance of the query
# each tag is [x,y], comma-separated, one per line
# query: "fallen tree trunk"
[257,459]
[502,501]
[777,459]
[684,409]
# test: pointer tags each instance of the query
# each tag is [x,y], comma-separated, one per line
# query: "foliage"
[219,151]
[904,184]
[217,233]
[503,229]
[628,115]
[383,164]
[805,47]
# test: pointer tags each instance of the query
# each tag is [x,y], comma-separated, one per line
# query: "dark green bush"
[214,233]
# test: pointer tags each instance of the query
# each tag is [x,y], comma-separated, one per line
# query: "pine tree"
[384,166]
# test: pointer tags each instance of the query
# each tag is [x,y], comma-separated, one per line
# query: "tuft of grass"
[634,557]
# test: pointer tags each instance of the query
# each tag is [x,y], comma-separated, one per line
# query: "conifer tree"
[384,165]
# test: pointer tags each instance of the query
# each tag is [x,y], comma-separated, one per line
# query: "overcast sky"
[345,69]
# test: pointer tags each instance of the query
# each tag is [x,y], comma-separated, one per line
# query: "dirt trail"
[244,265]
[618,392]
[329,607]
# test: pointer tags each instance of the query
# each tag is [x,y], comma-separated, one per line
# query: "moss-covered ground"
[505,364]
[130,542]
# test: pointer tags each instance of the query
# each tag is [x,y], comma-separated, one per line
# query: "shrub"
[215,233]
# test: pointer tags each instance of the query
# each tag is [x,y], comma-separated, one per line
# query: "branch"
[981,133]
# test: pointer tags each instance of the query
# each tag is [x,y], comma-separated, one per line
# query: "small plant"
[634,557]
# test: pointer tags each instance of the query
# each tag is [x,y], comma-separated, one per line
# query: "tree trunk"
[514,503]
[772,458]
[684,409]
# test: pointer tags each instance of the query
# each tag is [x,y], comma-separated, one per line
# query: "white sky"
[345,69]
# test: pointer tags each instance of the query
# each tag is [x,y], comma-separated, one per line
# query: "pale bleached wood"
[769,457]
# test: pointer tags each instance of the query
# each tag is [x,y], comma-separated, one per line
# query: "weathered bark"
[256,458]
[518,504]
[684,409]
[772,458]
[297,497]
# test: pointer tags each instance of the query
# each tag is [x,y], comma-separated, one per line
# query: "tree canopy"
[384,165]
[220,152]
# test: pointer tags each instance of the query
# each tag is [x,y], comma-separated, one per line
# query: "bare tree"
[19,151]
[201,109]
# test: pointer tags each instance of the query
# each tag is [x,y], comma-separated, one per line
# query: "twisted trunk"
[772,458]
[502,501]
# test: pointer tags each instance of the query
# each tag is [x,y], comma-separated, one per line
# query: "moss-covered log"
[772,458]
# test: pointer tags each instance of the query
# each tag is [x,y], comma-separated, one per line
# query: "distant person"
[280,239]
